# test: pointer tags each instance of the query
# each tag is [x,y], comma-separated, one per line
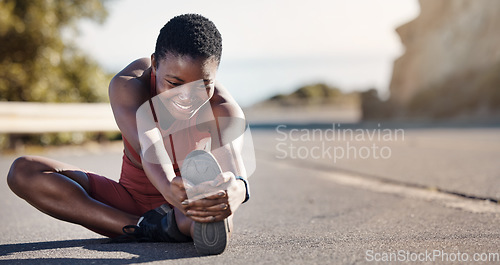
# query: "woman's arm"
[129,94]
[155,160]
[227,141]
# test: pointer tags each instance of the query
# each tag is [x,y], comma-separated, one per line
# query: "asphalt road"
[308,210]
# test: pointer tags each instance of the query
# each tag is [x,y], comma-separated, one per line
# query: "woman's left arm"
[227,135]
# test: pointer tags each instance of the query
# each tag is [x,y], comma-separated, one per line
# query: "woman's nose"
[186,92]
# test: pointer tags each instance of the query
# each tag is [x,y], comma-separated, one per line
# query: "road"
[425,198]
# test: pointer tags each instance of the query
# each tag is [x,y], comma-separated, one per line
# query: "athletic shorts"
[117,196]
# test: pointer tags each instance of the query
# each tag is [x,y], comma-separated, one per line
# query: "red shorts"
[134,194]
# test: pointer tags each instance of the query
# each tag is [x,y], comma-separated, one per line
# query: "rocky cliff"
[451,65]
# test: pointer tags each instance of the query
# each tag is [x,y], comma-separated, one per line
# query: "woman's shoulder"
[224,109]
[223,104]
[136,68]
[131,84]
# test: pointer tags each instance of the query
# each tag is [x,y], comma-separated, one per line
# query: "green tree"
[37,63]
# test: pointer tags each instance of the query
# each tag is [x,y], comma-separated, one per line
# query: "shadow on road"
[140,252]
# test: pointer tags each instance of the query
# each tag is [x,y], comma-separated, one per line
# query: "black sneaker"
[209,238]
[157,225]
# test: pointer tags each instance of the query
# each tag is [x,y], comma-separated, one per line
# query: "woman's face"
[184,84]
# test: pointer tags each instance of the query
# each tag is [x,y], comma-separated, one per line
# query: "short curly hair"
[189,34]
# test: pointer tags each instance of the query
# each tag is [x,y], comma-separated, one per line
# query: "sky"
[269,47]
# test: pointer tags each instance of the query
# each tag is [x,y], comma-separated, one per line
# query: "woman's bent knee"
[19,173]
[27,173]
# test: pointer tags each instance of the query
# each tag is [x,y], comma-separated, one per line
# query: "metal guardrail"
[29,117]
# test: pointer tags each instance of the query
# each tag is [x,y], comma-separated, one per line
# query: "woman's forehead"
[187,67]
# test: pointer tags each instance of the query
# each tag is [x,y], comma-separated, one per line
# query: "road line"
[376,184]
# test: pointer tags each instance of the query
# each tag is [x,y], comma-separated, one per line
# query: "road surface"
[426,198]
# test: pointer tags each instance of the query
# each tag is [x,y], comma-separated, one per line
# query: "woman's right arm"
[129,100]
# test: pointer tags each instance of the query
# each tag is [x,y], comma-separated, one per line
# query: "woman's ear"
[153,63]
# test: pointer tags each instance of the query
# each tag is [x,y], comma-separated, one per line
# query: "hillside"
[451,66]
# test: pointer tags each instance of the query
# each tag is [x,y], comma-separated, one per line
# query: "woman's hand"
[178,196]
[215,200]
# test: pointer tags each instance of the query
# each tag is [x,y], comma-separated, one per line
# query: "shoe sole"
[209,238]
[200,166]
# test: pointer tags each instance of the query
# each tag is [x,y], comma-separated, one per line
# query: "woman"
[166,107]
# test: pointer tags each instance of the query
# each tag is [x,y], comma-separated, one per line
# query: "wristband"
[247,188]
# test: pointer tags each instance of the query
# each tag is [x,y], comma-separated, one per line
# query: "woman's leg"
[61,190]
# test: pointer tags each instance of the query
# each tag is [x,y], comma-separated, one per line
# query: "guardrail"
[29,117]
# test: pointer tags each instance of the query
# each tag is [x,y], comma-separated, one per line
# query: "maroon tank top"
[183,136]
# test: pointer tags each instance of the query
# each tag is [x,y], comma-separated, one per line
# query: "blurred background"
[321,61]
[429,68]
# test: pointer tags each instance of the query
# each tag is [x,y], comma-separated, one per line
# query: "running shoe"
[209,238]
[157,225]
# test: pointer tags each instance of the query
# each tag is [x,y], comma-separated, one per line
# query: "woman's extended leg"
[61,190]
